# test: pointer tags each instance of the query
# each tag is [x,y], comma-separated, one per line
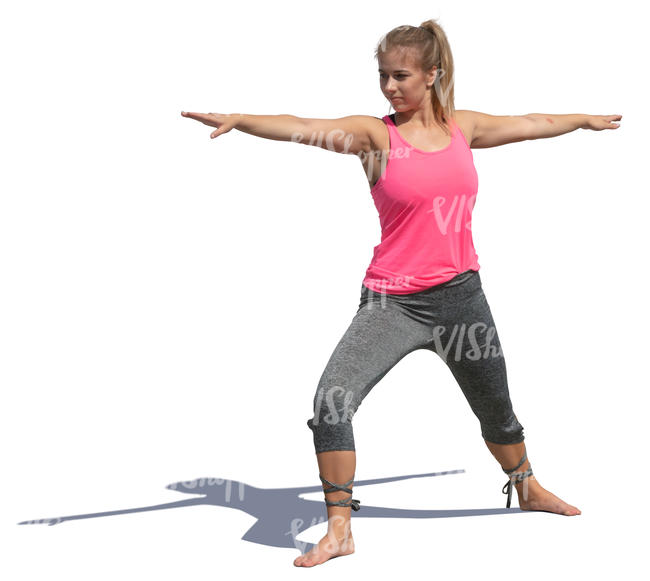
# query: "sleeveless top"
[425,201]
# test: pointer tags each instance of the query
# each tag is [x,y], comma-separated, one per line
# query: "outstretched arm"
[349,134]
[494,130]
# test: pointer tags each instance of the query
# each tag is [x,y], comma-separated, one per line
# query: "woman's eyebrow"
[398,71]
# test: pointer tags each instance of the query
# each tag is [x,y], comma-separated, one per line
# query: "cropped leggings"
[454,321]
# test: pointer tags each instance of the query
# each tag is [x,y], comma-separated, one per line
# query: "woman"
[422,289]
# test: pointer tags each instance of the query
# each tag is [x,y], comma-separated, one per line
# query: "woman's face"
[402,81]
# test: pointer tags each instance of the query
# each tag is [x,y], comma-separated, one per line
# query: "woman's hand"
[599,122]
[223,122]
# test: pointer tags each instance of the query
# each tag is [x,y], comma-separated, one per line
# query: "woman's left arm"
[494,130]
[552,125]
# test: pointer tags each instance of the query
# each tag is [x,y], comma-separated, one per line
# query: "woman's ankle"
[339,525]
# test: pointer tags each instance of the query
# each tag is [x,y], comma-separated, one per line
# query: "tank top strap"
[396,140]
[456,130]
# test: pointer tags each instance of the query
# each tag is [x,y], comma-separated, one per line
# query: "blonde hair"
[432,48]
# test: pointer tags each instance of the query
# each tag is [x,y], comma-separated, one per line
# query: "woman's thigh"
[378,337]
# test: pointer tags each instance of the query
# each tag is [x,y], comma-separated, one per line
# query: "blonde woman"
[422,289]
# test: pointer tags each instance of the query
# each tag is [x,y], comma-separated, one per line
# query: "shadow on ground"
[281,513]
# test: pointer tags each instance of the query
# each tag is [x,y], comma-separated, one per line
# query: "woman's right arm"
[351,134]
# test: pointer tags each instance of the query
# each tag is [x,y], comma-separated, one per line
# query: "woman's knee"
[328,437]
[510,432]
[334,404]
[331,424]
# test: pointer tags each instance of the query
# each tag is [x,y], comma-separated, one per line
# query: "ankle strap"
[516,477]
[336,486]
[355,504]
[523,459]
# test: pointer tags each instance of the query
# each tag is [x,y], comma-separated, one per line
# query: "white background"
[169,302]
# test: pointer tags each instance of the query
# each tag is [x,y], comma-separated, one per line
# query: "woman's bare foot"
[329,547]
[538,498]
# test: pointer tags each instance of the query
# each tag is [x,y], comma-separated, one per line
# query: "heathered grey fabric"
[454,321]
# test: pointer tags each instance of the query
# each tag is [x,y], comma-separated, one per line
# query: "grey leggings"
[454,321]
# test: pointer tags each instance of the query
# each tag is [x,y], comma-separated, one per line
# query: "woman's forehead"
[398,58]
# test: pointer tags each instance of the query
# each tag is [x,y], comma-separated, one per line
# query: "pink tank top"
[425,202]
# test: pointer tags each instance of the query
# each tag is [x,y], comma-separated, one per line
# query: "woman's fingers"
[193,115]
[610,121]
[223,123]
[218,132]
[600,122]
[207,118]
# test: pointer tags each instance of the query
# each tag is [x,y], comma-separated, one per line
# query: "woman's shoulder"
[378,132]
[465,121]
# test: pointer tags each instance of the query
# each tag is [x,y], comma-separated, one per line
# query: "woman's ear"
[433,75]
